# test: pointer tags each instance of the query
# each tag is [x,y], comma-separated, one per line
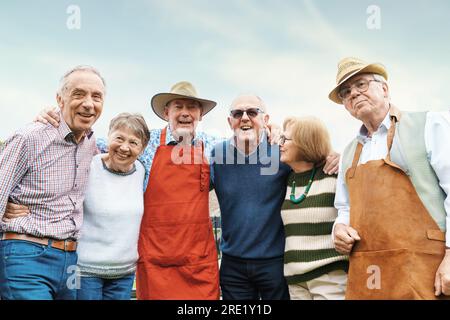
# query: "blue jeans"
[93,288]
[31,271]
[253,279]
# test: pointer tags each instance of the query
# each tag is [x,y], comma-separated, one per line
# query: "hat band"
[348,74]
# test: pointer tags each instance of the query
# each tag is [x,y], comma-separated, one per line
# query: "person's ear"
[166,113]
[266,119]
[229,123]
[60,101]
[385,90]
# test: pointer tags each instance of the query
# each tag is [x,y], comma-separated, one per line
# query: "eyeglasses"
[361,85]
[283,139]
[251,112]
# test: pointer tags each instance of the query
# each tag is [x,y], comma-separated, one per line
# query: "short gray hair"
[261,101]
[379,77]
[382,80]
[84,68]
[135,122]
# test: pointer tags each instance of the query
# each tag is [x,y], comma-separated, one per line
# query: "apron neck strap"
[358,150]
[357,154]
[390,137]
[359,147]
[162,141]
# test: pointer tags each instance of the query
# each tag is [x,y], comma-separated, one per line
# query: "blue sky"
[284,51]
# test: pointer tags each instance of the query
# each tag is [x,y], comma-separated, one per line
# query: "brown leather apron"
[401,245]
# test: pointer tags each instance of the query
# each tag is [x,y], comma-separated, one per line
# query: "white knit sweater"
[113,209]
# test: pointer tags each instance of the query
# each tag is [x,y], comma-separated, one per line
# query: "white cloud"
[287,53]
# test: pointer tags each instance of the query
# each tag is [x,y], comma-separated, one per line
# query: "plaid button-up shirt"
[43,168]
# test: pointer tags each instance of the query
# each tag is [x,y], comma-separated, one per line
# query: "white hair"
[379,77]
[382,80]
[84,68]
[262,105]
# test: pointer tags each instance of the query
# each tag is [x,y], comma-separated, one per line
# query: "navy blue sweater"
[250,190]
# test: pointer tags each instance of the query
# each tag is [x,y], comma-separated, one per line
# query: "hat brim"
[160,101]
[376,68]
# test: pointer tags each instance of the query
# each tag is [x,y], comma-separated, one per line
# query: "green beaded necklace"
[303,196]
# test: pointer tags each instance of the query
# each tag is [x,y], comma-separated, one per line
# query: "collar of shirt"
[170,140]
[67,134]
[384,126]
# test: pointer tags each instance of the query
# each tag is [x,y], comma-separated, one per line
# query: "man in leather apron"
[392,192]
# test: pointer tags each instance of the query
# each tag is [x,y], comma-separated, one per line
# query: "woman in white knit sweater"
[312,267]
[113,208]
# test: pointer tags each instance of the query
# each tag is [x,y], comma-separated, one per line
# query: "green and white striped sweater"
[309,251]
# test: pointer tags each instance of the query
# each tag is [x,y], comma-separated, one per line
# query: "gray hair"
[379,77]
[84,68]
[262,105]
[135,122]
[382,80]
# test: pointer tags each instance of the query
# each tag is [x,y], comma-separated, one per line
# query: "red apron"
[177,252]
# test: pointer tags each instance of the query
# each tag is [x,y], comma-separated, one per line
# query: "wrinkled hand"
[48,115]
[442,279]
[332,164]
[273,133]
[14,211]
[344,238]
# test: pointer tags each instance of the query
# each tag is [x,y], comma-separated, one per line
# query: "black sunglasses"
[251,112]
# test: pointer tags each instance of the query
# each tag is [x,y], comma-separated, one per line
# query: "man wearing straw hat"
[177,252]
[392,193]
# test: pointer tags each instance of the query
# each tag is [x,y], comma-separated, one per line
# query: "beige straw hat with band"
[180,90]
[349,67]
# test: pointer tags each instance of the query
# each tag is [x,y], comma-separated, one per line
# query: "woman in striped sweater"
[313,269]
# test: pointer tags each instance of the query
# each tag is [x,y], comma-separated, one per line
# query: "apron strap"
[162,141]
[390,139]
[201,148]
[203,178]
[355,160]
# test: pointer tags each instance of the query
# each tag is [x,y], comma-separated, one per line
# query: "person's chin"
[84,125]
[246,135]
[184,131]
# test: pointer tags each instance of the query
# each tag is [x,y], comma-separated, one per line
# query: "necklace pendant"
[305,193]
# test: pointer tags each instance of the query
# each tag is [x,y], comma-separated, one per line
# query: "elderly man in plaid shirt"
[46,169]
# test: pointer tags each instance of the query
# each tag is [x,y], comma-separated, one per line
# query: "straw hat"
[349,67]
[180,90]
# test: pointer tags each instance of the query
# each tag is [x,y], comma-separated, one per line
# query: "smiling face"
[248,128]
[124,147]
[183,116]
[289,152]
[367,104]
[81,101]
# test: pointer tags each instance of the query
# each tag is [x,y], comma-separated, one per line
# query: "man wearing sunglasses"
[250,183]
[392,192]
